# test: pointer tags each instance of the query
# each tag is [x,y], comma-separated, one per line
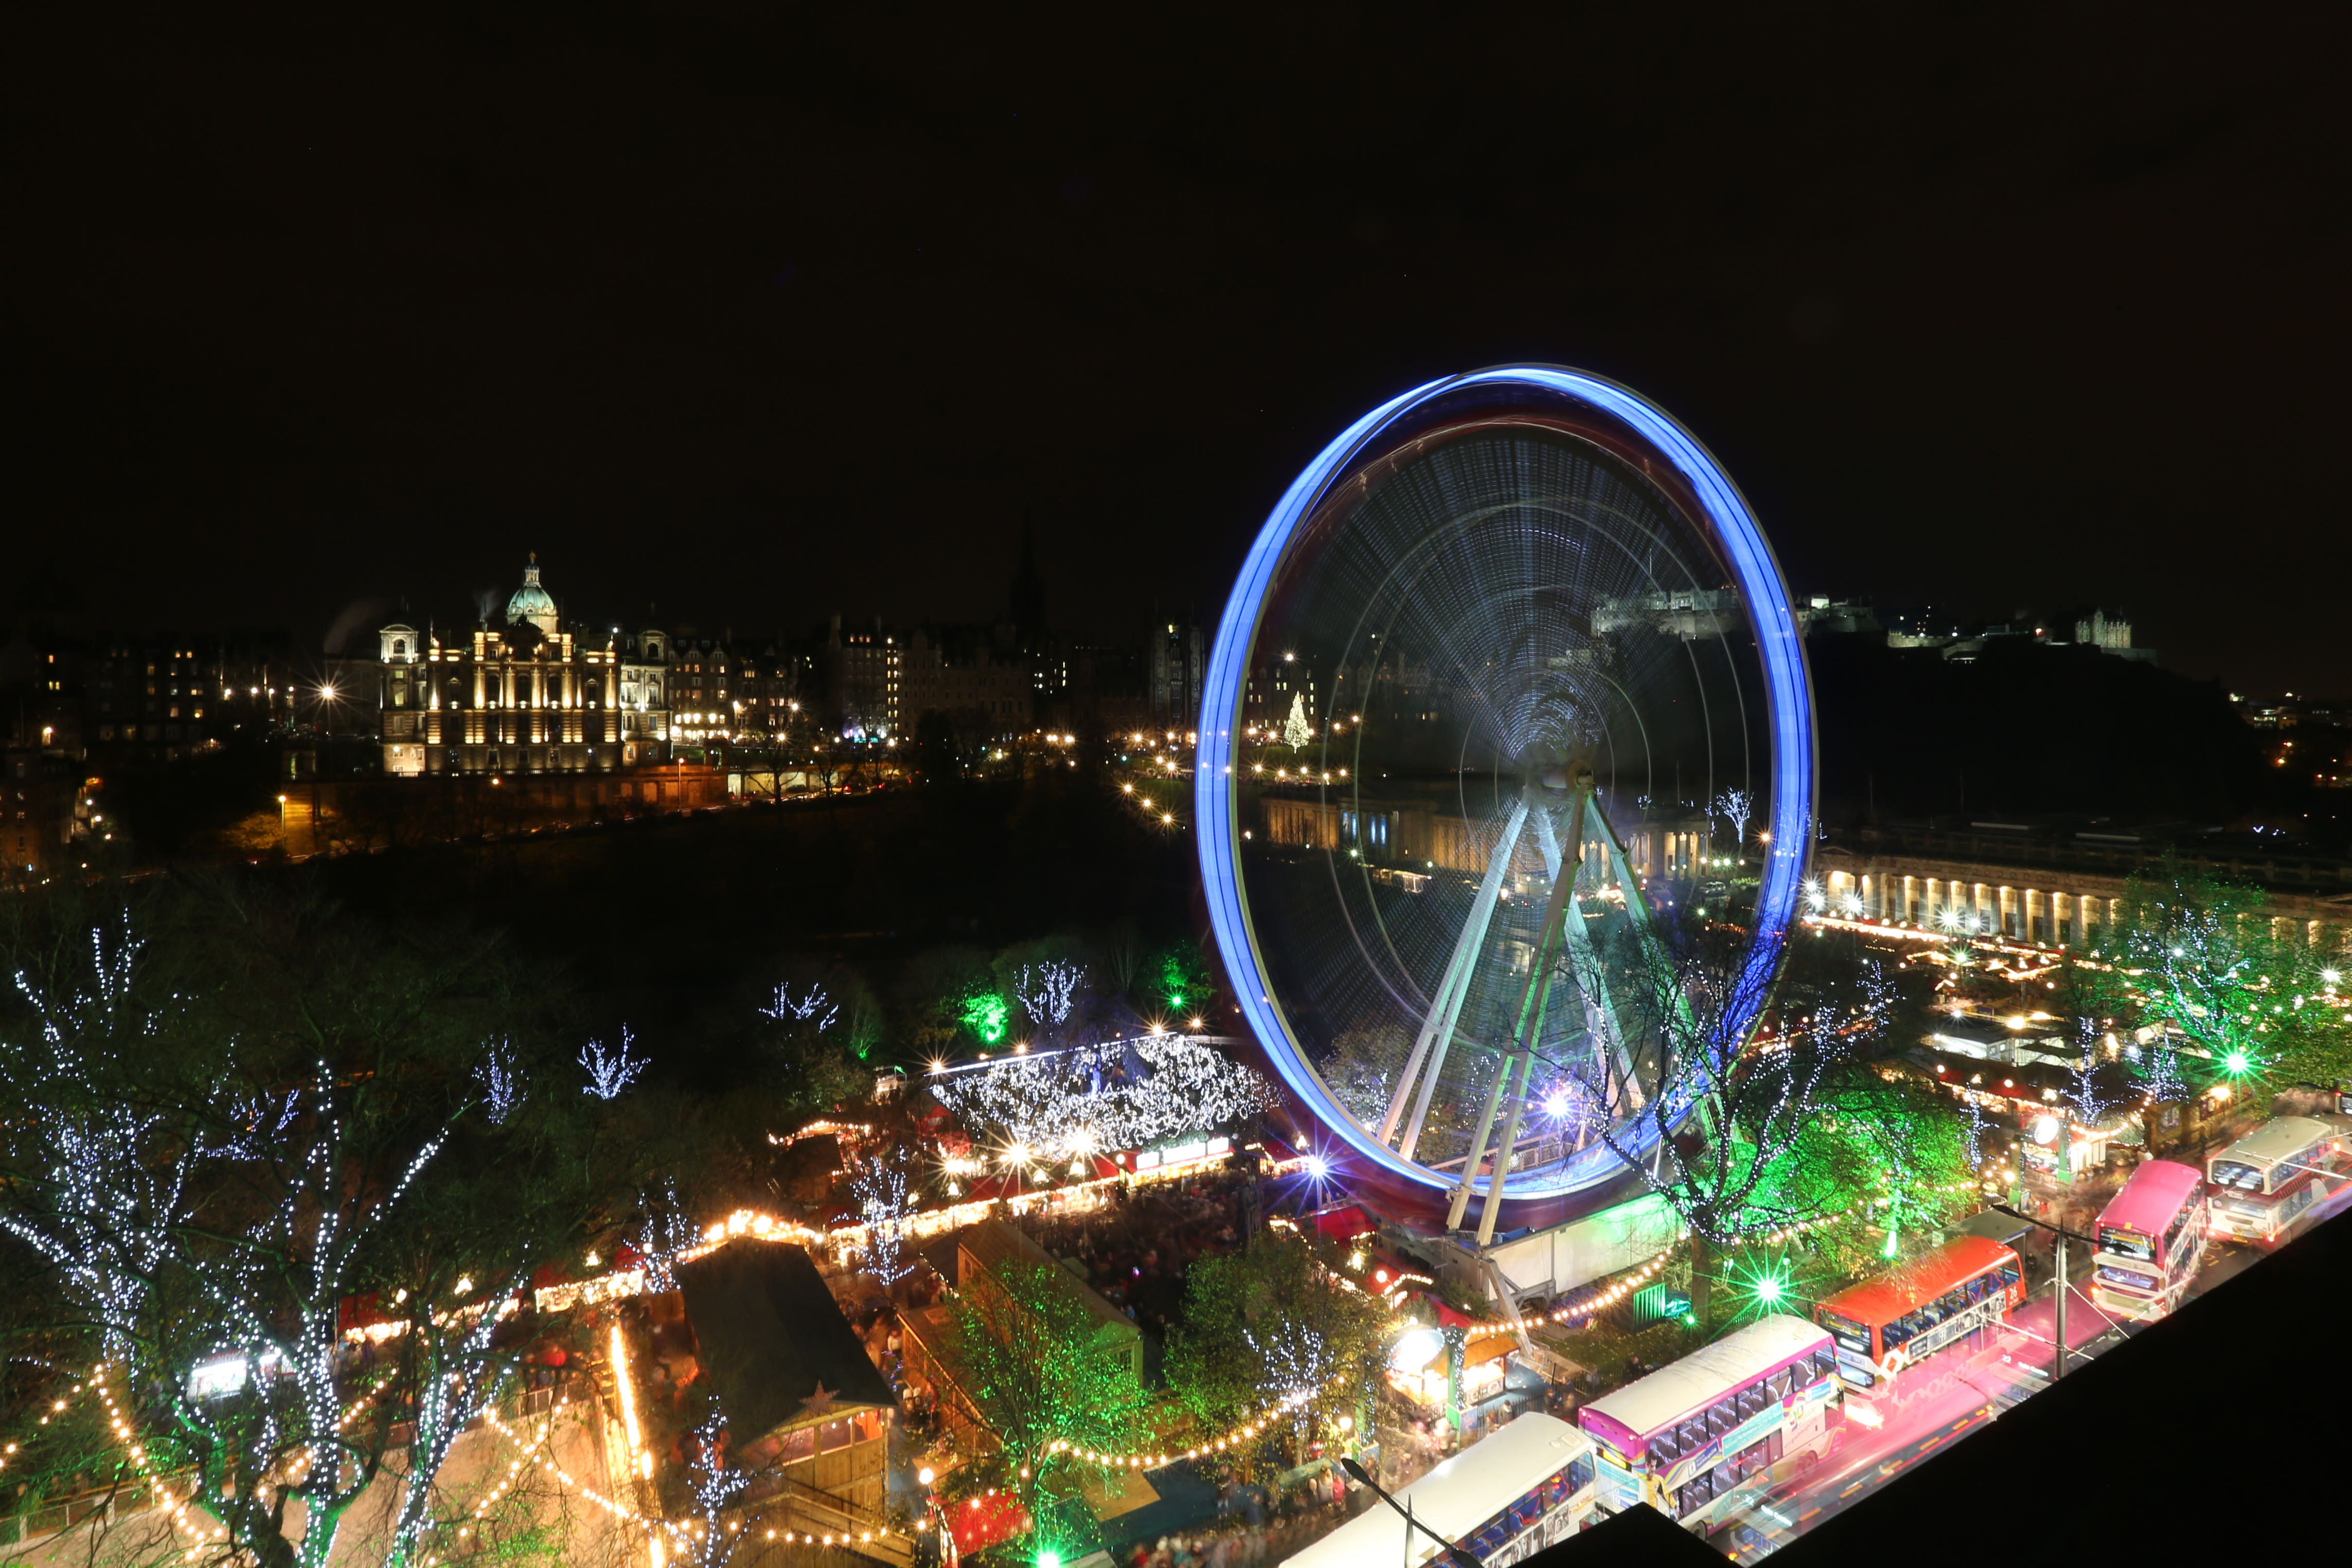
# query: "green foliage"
[1272,1319]
[1886,1151]
[2253,1005]
[927,1001]
[1043,1369]
[1179,979]
[987,1014]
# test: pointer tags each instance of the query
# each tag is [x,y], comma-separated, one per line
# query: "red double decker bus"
[1882,1325]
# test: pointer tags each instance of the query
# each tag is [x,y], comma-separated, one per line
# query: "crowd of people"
[1136,1250]
[1251,1534]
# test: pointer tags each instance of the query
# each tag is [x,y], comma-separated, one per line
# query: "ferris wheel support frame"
[1729,526]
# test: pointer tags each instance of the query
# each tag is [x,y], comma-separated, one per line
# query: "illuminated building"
[528,695]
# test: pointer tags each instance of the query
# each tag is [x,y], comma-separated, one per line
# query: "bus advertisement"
[2150,1237]
[1702,1439]
[1506,1497]
[1883,1325]
[2264,1182]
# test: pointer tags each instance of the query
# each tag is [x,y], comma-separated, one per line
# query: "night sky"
[757,312]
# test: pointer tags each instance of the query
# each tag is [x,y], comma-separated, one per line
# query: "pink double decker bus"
[1702,1439]
[2151,1236]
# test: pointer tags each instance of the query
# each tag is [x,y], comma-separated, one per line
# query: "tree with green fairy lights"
[2237,1000]
[1051,1380]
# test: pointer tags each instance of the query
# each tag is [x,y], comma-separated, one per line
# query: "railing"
[782,1503]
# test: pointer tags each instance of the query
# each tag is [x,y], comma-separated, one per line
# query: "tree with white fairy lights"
[1118,1094]
[1736,807]
[1725,1124]
[2233,1000]
[259,1133]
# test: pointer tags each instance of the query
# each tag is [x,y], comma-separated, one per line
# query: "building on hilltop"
[2111,636]
[1175,677]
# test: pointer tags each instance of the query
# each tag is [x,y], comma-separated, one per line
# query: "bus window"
[2235,1174]
[1664,1449]
[2127,1244]
[1721,1418]
[1824,1364]
[1750,1401]
[1579,1475]
[1772,1446]
[1779,1384]
[2008,1276]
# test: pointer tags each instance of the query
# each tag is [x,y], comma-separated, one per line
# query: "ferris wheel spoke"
[1445,1008]
[1600,1021]
[1534,999]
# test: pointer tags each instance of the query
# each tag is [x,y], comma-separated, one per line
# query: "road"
[1949,1395]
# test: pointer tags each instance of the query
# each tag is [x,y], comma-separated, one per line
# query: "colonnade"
[2074,917]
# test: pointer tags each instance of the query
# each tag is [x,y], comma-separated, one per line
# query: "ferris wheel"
[1489,666]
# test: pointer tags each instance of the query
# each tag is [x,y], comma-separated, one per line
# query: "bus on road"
[2261,1185]
[1506,1497]
[2151,1236]
[1885,1325]
[1702,1439]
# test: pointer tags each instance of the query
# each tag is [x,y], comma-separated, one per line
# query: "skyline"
[759,321]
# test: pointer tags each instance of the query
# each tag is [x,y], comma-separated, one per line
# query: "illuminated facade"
[530,696]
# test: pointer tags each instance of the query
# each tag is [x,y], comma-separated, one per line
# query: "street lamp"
[2057,1361]
[1454,1553]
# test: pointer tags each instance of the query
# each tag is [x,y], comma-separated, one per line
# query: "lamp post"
[2058,1362]
[1454,1553]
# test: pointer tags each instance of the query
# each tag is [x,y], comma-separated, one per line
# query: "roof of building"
[993,1243]
[530,599]
[775,1344]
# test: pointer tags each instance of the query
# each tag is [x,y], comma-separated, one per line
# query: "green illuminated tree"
[1885,1156]
[1276,1318]
[2241,1000]
[1712,1117]
[1043,1370]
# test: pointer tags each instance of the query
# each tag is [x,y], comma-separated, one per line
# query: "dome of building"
[532,603]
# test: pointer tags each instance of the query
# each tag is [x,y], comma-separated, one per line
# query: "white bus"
[2261,1184]
[1506,1496]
